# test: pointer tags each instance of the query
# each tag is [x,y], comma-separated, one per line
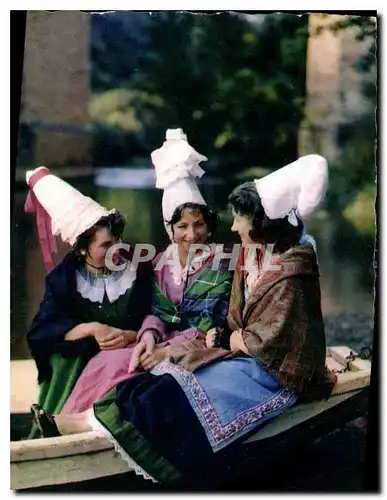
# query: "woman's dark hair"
[210,217]
[246,201]
[114,222]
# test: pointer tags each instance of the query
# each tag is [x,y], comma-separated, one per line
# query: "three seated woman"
[221,349]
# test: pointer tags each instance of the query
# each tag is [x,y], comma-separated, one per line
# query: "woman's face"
[100,244]
[190,229]
[242,225]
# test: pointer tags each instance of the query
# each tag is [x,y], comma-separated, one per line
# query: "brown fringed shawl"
[281,323]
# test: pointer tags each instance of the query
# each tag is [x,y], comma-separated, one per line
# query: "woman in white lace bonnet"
[86,307]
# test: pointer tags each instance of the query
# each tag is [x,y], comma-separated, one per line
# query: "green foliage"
[361,211]
[236,90]
[118,135]
[364,29]
[117,39]
[350,182]
[236,87]
[115,108]
[140,208]
[358,166]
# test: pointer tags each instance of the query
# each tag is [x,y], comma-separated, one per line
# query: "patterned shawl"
[204,304]
[281,324]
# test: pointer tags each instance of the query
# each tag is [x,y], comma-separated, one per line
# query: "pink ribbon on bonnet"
[43,220]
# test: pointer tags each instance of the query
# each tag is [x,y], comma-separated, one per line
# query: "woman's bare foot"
[76,422]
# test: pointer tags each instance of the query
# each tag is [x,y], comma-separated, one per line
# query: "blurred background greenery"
[252,92]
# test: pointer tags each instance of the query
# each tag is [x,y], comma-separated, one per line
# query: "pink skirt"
[103,372]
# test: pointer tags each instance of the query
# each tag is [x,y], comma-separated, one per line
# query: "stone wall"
[56,87]
[333,87]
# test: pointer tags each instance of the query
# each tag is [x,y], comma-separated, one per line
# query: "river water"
[345,259]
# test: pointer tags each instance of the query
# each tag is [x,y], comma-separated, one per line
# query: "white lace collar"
[180,274]
[115,285]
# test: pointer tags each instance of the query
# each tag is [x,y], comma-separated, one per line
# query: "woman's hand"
[145,346]
[91,329]
[210,337]
[149,361]
[237,343]
[109,338]
[106,336]
[103,332]
[117,339]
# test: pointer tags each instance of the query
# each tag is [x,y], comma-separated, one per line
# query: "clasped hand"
[146,354]
[109,338]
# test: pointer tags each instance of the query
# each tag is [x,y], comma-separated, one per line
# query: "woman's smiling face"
[190,229]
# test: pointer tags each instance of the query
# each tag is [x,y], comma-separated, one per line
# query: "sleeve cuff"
[152,323]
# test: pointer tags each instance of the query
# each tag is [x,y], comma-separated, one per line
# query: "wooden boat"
[82,457]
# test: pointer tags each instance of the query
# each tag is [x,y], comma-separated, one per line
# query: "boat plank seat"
[89,455]
[358,372]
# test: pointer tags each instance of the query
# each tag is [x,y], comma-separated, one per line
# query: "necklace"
[98,272]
